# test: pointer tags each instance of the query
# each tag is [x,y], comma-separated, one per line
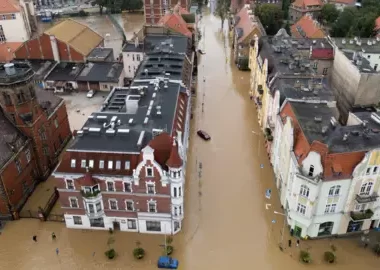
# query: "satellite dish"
[108,35]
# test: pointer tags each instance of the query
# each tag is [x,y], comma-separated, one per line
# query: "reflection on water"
[227,225]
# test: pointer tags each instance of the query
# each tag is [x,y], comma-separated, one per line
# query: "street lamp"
[283,227]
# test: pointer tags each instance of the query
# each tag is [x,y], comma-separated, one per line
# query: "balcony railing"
[95,215]
[90,195]
[367,199]
[367,214]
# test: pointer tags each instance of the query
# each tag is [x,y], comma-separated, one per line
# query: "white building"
[133,54]
[319,171]
[16,21]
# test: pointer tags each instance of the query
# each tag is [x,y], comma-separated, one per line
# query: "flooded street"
[227,225]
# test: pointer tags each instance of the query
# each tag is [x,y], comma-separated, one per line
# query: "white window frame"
[133,205]
[83,163]
[155,206]
[73,163]
[334,190]
[101,164]
[127,165]
[360,207]
[367,188]
[80,218]
[149,183]
[301,209]
[130,183]
[76,199]
[135,223]
[91,163]
[146,171]
[304,191]
[117,165]
[113,184]
[67,186]
[375,170]
[109,204]
[110,165]
[368,171]
[28,155]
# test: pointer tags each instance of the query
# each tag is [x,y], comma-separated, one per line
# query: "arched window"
[366,188]
[334,191]
[304,191]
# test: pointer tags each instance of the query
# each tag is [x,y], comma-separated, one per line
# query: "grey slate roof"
[65,71]
[315,122]
[101,72]
[41,68]
[166,43]
[100,53]
[131,47]
[368,45]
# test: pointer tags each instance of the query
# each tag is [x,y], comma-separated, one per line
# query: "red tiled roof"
[174,160]
[310,28]
[335,165]
[176,23]
[246,24]
[8,6]
[377,23]
[162,145]
[305,3]
[7,49]
[326,53]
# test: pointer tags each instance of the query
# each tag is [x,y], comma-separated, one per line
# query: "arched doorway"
[325,228]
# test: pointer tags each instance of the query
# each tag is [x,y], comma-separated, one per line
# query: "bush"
[305,256]
[329,257]
[169,250]
[111,253]
[139,253]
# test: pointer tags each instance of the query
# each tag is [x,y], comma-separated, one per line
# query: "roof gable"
[306,27]
[80,37]
[8,6]
[176,23]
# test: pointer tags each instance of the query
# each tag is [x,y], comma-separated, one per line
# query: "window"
[301,209]
[131,224]
[7,99]
[375,170]
[138,57]
[18,166]
[113,204]
[91,163]
[304,191]
[129,206]
[324,72]
[149,172]
[360,207]
[70,184]
[83,163]
[118,165]
[152,207]
[73,163]
[45,150]
[366,188]
[175,211]
[154,226]
[315,65]
[110,164]
[74,203]
[14,16]
[2,35]
[42,134]
[180,210]
[175,192]
[311,170]
[368,171]
[110,186]
[180,191]
[334,191]
[150,189]
[375,67]
[133,57]
[77,220]
[127,165]
[101,164]
[56,123]
[330,208]
[127,187]
[27,155]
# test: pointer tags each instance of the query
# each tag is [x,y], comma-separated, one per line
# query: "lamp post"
[283,227]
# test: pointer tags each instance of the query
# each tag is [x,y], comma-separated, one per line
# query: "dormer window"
[311,171]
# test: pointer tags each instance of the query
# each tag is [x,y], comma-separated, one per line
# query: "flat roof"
[166,43]
[42,68]
[365,45]
[101,72]
[100,53]
[65,71]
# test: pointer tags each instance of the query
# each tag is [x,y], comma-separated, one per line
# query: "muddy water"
[227,225]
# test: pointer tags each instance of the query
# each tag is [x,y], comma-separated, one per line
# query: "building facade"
[125,169]
[154,10]
[300,8]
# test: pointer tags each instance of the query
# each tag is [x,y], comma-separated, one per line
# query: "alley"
[229,224]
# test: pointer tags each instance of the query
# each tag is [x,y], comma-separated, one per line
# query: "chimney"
[54,46]
[10,69]
[343,41]
[333,121]
[351,41]
[345,137]
[136,41]
[132,104]
[359,42]
[369,43]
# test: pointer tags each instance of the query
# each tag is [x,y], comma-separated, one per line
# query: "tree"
[271,17]
[342,26]
[101,4]
[329,13]
[131,5]
[222,9]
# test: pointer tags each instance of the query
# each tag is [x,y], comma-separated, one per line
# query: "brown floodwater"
[227,225]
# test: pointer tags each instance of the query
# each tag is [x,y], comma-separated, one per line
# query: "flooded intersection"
[228,222]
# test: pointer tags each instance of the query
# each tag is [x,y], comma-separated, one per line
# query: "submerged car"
[203,135]
[167,262]
[90,93]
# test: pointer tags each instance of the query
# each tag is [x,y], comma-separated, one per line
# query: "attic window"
[311,170]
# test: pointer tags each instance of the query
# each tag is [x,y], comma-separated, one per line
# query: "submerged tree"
[223,9]
[271,17]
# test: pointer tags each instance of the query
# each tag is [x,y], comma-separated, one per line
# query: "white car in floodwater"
[90,93]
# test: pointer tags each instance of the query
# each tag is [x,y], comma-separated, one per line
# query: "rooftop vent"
[324,129]
[123,131]
[359,42]
[351,41]
[369,43]
[80,132]
[141,139]
[110,132]
[375,117]
[94,130]
[333,121]
[132,103]
[156,132]
[146,120]
[365,122]
[10,69]
[318,119]
[345,137]
[355,132]
[343,41]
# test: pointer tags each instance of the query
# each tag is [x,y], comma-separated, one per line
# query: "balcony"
[366,199]
[367,214]
[91,197]
[95,215]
